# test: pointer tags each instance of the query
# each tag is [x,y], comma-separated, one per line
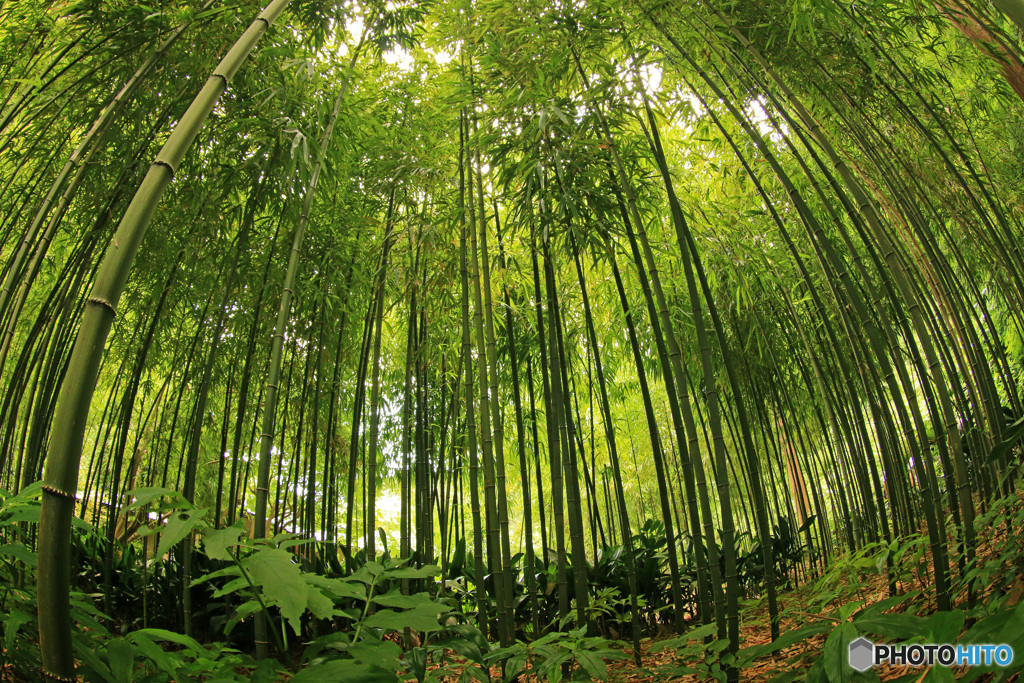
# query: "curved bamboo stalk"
[61,475]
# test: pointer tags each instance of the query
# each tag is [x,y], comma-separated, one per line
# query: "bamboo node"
[57,492]
[102,302]
[165,164]
[58,677]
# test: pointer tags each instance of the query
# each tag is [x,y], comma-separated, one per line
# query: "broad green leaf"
[463,647]
[876,608]
[232,586]
[11,623]
[474,672]
[362,575]
[19,552]
[424,572]
[339,640]
[945,627]
[178,526]
[396,599]
[283,537]
[86,652]
[835,656]
[384,654]
[417,662]
[422,618]
[163,660]
[341,588]
[121,660]
[84,612]
[696,634]
[346,670]
[845,611]
[515,665]
[1011,435]
[31,492]
[170,636]
[281,581]
[901,626]
[217,541]
[785,640]
[817,670]
[939,674]
[319,604]
[472,634]
[294,542]
[28,514]
[233,570]
[146,495]
[592,664]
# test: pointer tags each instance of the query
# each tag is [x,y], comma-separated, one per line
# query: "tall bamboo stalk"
[61,474]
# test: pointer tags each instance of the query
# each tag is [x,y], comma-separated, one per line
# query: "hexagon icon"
[862,653]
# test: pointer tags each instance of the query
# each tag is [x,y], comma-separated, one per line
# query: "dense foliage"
[609,319]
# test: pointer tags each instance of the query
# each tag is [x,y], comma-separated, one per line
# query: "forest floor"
[865,587]
[755,630]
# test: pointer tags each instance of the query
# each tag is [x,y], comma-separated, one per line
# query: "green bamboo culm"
[1014,9]
[277,343]
[77,163]
[60,478]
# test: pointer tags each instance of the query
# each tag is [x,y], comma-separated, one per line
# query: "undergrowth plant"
[366,616]
[557,656]
[837,609]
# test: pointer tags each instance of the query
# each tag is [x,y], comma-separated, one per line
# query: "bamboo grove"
[506,287]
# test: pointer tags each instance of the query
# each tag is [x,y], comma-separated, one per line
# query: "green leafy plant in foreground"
[365,612]
[367,609]
[556,654]
[17,594]
[152,655]
[366,615]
